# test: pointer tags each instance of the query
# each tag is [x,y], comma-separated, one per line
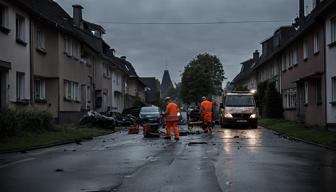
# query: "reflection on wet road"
[227,160]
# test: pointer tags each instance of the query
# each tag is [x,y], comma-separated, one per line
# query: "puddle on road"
[198,143]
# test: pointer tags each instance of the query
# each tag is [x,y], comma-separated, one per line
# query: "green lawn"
[294,129]
[62,134]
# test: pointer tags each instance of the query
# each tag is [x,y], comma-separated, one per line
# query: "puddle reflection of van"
[238,109]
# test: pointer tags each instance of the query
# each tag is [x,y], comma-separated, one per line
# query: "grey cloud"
[151,47]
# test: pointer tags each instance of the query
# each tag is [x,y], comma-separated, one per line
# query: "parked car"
[151,115]
[239,108]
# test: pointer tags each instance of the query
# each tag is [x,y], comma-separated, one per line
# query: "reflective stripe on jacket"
[171,112]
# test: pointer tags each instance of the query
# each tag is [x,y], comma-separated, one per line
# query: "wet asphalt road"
[228,160]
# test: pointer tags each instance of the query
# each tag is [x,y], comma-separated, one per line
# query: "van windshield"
[239,101]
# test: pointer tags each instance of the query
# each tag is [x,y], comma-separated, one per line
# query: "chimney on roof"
[301,12]
[256,56]
[77,16]
[123,57]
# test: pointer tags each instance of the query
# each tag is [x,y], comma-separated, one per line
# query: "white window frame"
[306,93]
[288,60]
[40,89]
[20,22]
[68,46]
[20,85]
[72,91]
[76,49]
[40,39]
[295,56]
[316,42]
[333,30]
[4,16]
[305,49]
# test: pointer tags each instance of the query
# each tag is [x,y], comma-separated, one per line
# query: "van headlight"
[228,115]
[253,116]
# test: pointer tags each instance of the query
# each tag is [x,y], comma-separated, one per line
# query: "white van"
[238,109]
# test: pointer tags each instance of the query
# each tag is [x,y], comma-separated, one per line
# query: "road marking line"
[16,162]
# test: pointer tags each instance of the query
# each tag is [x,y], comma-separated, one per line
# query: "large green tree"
[203,76]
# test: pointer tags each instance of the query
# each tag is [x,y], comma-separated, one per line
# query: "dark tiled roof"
[93,26]
[309,22]
[152,83]
[246,70]
[54,14]
[123,65]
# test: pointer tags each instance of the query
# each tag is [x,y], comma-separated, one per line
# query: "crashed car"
[134,111]
[123,120]
[96,119]
[194,117]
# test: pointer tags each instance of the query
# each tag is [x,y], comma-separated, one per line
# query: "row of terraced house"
[60,63]
[301,60]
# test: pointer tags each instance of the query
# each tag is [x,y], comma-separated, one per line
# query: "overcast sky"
[151,47]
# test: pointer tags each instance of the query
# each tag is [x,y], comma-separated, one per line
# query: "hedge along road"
[229,160]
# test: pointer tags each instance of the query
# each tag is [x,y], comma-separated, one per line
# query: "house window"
[76,50]
[305,49]
[333,30]
[67,90]
[305,93]
[40,89]
[318,91]
[333,89]
[316,42]
[283,62]
[295,56]
[40,40]
[68,46]
[3,16]
[20,85]
[106,70]
[288,60]
[76,92]
[289,98]
[20,28]
[71,91]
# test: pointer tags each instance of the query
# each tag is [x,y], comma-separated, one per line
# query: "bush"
[18,122]
[272,103]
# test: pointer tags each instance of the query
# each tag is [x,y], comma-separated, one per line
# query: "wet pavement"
[227,160]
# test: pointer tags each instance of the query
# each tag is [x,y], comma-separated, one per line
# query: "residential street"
[228,160]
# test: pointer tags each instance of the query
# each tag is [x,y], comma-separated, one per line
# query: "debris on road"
[133,129]
[198,143]
[59,170]
[96,119]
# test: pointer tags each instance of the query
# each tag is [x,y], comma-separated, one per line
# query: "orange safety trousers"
[169,125]
[207,117]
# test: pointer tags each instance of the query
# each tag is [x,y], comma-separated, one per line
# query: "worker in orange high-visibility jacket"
[206,114]
[171,118]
